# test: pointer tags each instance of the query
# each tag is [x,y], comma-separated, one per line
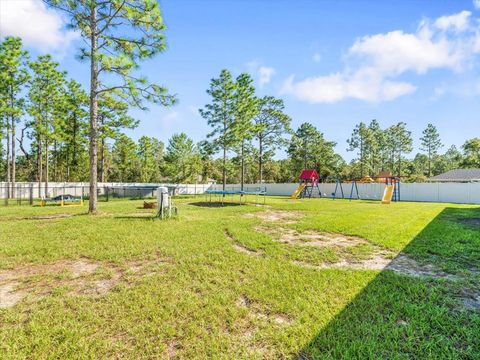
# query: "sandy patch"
[311,238]
[82,276]
[378,259]
[9,295]
[402,264]
[286,217]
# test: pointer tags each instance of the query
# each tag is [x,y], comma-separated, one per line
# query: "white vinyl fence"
[464,193]
[23,190]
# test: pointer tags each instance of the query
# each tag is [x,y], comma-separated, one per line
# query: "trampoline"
[225,195]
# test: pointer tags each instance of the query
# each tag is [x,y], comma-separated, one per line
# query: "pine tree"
[182,158]
[146,155]
[431,143]
[119,34]
[221,117]
[471,150]
[46,95]
[271,126]
[13,78]
[74,128]
[245,109]
[361,141]
[112,118]
[402,141]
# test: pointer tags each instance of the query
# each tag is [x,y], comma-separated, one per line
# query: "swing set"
[391,192]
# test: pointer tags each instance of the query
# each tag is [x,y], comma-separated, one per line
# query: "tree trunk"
[224,169]
[8,162]
[14,155]
[102,161]
[55,160]
[39,165]
[429,163]
[399,164]
[242,162]
[92,203]
[74,139]
[260,160]
[46,167]
[304,155]
[361,158]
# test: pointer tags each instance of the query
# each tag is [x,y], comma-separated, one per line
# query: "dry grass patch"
[82,276]
[286,217]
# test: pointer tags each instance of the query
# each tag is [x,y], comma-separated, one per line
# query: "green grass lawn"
[219,282]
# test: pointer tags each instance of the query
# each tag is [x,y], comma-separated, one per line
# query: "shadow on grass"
[214,204]
[137,217]
[403,317]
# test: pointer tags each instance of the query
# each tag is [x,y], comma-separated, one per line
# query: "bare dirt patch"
[378,259]
[312,238]
[471,299]
[82,276]
[402,264]
[286,217]
[241,248]
[9,295]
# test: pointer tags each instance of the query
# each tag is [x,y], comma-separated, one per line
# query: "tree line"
[54,130]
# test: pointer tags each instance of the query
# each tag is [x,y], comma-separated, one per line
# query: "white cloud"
[317,57]
[456,22]
[39,27]
[265,74]
[375,61]
[476,4]
[337,87]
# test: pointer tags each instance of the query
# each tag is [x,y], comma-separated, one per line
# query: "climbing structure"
[308,184]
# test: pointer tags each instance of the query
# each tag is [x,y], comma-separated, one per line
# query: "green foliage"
[431,143]
[182,159]
[46,107]
[309,150]
[125,161]
[471,150]
[220,116]
[245,109]
[13,78]
[150,153]
[124,33]
[272,124]
[362,140]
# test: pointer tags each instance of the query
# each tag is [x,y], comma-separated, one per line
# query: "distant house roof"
[458,175]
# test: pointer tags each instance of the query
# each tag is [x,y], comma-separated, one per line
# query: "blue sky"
[335,63]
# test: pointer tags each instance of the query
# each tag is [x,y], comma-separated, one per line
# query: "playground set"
[309,181]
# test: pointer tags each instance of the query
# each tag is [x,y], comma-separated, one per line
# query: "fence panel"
[468,193]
